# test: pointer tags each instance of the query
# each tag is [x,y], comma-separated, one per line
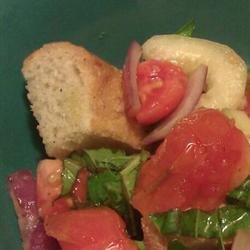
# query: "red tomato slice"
[49,185]
[89,229]
[201,159]
[79,190]
[61,205]
[161,87]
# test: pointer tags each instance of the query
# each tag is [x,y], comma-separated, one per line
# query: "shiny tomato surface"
[161,87]
[202,158]
[49,185]
[79,190]
[89,229]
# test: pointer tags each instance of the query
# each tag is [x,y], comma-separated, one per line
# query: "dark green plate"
[105,27]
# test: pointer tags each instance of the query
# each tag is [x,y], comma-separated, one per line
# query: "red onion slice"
[22,186]
[129,83]
[241,241]
[195,87]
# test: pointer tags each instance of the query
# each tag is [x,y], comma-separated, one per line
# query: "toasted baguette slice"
[77,100]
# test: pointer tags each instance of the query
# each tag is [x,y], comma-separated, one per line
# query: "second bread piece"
[77,100]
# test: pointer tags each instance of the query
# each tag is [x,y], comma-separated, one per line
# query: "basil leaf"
[103,158]
[140,245]
[241,195]
[106,189]
[176,245]
[221,223]
[233,218]
[130,171]
[187,29]
[207,225]
[166,223]
[69,174]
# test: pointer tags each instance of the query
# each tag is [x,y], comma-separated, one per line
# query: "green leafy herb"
[166,223]
[140,245]
[69,174]
[233,218]
[99,159]
[187,29]
[130,171]
[176,245]
[77,157]
[220,242]
[221,223]
[106,189]
[241,195]
[113,181]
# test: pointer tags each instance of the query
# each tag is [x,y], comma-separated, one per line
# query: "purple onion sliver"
[40,241]
[22,187]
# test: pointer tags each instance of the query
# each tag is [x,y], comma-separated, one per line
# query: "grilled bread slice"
[77,100]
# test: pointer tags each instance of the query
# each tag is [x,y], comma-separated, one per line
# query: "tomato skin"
[61,205]
[202,158]
[79,190]
[49,185]
[91,228]
[161,87]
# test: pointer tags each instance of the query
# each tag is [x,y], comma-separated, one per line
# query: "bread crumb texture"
[77,100]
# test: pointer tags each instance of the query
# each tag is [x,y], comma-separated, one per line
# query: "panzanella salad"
[154,157]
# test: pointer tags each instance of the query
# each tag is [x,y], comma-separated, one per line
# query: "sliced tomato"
[161,87]
[201,159]
[89,229]
[79,190]
[49,185]
[61,205]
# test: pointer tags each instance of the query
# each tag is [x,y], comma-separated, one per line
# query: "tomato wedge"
[201,159]
[161,87]
[49,185]
[79,190]
[89,229]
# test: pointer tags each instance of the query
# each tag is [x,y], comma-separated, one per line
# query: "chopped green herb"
[241,195]
[140,245]
[176,245]
[106,189]
[130,171]
[187,29]
[99,159]
[221,223]
[69,174]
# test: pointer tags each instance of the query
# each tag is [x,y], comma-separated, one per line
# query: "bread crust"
[97,116]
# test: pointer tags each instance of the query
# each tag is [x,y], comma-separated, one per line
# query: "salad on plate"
[171,170]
